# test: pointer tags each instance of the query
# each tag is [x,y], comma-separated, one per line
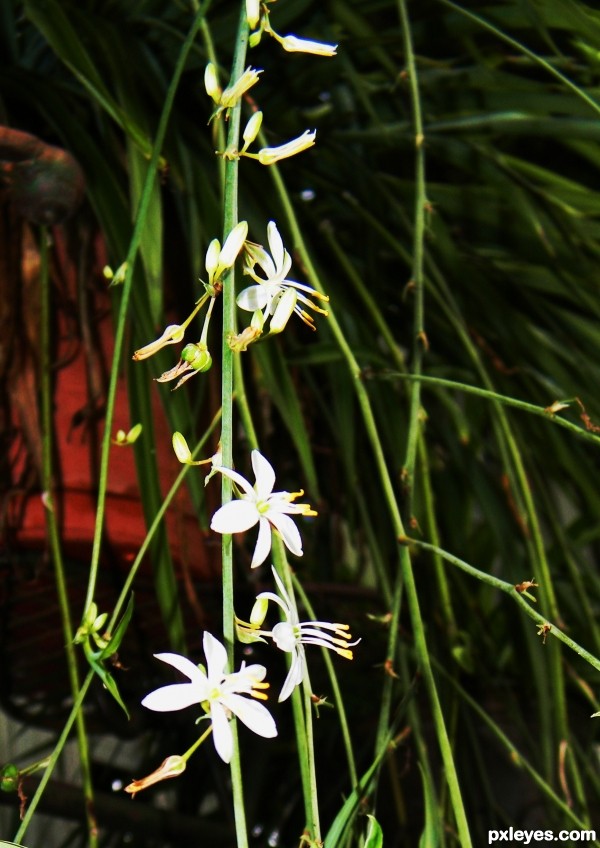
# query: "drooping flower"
[269,290]
[219,694]
[270,155]
[291,635]
[172,334]
[259,504]
[292,44]
[173,766]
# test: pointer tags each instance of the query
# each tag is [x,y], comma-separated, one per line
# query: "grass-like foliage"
[443,419]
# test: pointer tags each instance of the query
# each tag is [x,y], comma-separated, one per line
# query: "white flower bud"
[211,82]
[211,263]
[304,45]
[252,12]
[233,244]
[269,155]
[251,130]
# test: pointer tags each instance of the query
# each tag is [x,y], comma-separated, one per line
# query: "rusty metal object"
[45,184]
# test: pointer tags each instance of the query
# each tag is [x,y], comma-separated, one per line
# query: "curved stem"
[138,230]
[547,628]
[54,536]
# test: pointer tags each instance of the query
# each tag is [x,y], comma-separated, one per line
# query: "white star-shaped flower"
[265,295]
[291,635]
[259,504]
[220,694]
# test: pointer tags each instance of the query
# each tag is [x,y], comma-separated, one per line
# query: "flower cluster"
[222,694]
[271,297]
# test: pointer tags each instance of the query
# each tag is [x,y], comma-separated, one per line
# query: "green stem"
[314,822]
[54,536]
[122,600]
[304,742]
[389,498]
[138,230]
[521,48]
[197,743]
[541,411]
[517,596]
[53,759]
[337,695]
[230,219]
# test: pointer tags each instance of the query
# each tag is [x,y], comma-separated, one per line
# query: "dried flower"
[171,767]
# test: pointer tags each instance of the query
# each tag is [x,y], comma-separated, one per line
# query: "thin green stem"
[541,411]
[516,757]
[337,695]
[315,820]
[547,627]
[54,535]
[136,237]
[197,743]
[230,219]
[521,48]
[304,742]
[53,759]
[389,498]
[122,600]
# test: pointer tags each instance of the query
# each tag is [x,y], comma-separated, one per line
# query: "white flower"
[268,291]
[304,45]
[237,89]
[261,505]
[270,155]
[219,259]
[220,694]
[291,635]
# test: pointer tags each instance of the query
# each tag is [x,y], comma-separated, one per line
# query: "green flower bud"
[197,357]
[9,778]
[259,612]
[180,446]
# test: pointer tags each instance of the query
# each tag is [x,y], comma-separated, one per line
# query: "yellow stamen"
[261,696]
[308,319]
[346,653]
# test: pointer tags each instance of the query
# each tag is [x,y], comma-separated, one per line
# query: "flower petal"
[240,481]
[294,677]
[252,714]
[275,245]
[263,543]
[235,517]
[216,658]
[177,696]
[183,665]
[265,475]
[221,731]
[288,531]
[253,298]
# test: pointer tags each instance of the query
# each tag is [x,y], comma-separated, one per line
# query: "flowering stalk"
[229,326]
